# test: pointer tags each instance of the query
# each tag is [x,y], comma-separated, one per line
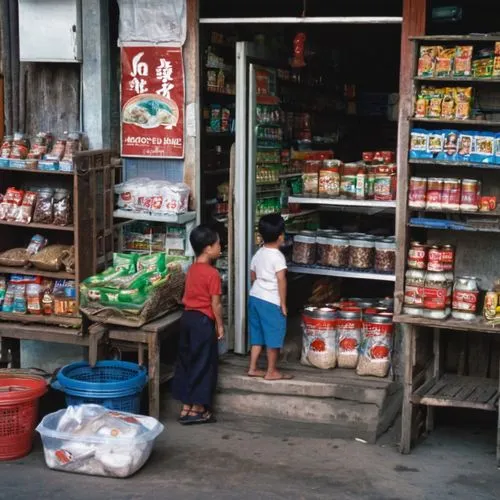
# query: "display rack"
[469,379]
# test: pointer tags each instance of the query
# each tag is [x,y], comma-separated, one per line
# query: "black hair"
[271,227]
[201,237]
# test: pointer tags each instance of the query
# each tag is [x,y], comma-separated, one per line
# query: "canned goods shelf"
[316,200]
[341,273]
[463,164]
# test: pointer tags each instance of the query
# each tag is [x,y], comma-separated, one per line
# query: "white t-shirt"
[265,264]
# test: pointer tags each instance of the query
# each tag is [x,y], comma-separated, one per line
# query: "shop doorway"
[343,100]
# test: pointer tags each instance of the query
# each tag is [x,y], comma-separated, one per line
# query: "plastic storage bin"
[90,439]
[117,385]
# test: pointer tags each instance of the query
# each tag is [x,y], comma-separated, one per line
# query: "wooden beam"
[414,17]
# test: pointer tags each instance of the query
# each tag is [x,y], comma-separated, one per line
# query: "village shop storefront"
[311,110]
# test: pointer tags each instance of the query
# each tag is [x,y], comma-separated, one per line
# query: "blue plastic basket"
[117,385]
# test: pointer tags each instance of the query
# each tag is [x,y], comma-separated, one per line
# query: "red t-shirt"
[202,282]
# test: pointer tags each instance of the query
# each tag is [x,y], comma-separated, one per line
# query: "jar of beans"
[385,256]
[304,248]
[333,251]
[361,253]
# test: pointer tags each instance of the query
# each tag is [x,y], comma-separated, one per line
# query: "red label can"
[417,256]
[435,261]
[447,257]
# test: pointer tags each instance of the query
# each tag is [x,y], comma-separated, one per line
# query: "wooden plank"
[72,322]
[407,406]
[154,376]
[414,21]
[35,225]
[97,332]
[478,355]
[41,333]
[449,324]
[482,394]
[36,272]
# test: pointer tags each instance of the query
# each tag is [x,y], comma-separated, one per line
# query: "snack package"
[20,305]
[127,261]
[419,144]
[435,104]
[444,61]
[497,149]
[100,279]
[44,207]
[215,118]
[128,192]
[34,298]
[14,198]
[427,60]
[450,146]
[150,263]
[224,125]
[483,67]
[436,143]
[421,105]
[177,263]
[496,61]
[129,281]
[483,149]
[463,60]
[62,207]
[465,143]
[3,288]
[8,301]
[463,100]
[36,244]
[25,212]
[448,104]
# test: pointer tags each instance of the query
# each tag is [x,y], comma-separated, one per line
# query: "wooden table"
[148,337]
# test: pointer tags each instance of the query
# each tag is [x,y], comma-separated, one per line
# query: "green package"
[152,262]
[100,279]
[125,261]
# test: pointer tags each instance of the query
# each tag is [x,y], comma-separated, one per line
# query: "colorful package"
[465,142]
[483,149]
[435,104]
[450,146]
[444,61]
[497,149]
[448,105]
[419,144]
[152,262]
[126,261]
[427,60]
[463,60]
[463,101]
[436,143]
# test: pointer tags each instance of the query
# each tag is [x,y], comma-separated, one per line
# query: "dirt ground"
[256,459]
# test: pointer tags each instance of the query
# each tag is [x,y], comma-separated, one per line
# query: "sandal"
[185,411]
[198,417]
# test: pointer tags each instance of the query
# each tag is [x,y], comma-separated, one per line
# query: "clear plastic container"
[361,253]
[304,249]
[84,448]
[385,256]
[333,251]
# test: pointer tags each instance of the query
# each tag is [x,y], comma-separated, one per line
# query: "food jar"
[435,296]
[329,178]
[6,146]
[451,194]
[349,332]
[377,324]
[417,193]
[414,292]
[469,198]
[417,256]
[383,184]
[385,256]
[304,248]
[361,253]
[310,177]
[465,298]
[348,180]
[333,251]
[20,146]
[434,197]
[448,257]
[434,259]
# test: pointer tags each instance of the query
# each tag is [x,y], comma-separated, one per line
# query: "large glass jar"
[333,251]
[435,296]
[361,253]
[304,248]
[385,256]
[465,295]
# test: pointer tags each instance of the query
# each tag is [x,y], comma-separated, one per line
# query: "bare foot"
[277,376]
[256,373]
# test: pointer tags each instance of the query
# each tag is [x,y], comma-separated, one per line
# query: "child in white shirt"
[267,304]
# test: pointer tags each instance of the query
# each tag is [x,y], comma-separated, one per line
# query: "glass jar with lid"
[361,253]
[435,296]
[465,298]
[304,248]
[385,256]
[333,251]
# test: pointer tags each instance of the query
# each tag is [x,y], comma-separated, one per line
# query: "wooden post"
[409,332]
[436,373]
[414,16]
[154,375]
[498,426]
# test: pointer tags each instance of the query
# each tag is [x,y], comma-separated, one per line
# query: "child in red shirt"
[201,326]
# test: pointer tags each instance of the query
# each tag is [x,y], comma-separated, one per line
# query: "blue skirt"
[195,378]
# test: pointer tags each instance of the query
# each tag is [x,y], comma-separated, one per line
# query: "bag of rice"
[375,350]
[319,338]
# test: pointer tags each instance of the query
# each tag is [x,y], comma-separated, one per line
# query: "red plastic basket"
[19,397]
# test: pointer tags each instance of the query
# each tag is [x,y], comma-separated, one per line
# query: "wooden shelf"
[341,273]
[458,392]
[456,79]
[34,225]
[36,171]
[316,200]
[463,164]
[477,37]
[171,219]
[479,325]
[68,321]
[32,271]
[491,213]
[475,123]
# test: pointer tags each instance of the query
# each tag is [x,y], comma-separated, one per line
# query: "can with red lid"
[435,261]
[377,324]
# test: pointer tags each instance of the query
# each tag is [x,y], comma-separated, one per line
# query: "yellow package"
[463,101]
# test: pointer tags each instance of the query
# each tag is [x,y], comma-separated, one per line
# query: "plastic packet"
[436,143]
[8,301]
[25,212]
[153,262]
[37,243]
[127,261]
[19,305]
[50,258]
[129,281]
[463,100]
[44,207]
[3,288]
[34,298]
[465,144]
[419,143]
[483,150]
[104,277]
[15,257]
[62,208]
[450,146]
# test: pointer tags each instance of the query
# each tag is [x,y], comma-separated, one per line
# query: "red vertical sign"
[152,102]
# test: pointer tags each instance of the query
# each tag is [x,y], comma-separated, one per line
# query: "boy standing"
[267,304]
[201,326]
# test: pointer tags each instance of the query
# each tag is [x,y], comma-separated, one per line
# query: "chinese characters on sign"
[152,102]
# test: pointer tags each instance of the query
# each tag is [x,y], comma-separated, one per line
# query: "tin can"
[490,305]
[417,193]
[434,198]
[435,261]
[469,198]
[417,256]
[451,194]
[447,257]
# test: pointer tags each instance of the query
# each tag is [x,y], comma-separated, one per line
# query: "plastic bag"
[15,257]
[36,244]
[318,344]
[102,278]
[50,258]
[127,261]
[91,439]
[62,208]
[25,211]
[153,262]
[44,207]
